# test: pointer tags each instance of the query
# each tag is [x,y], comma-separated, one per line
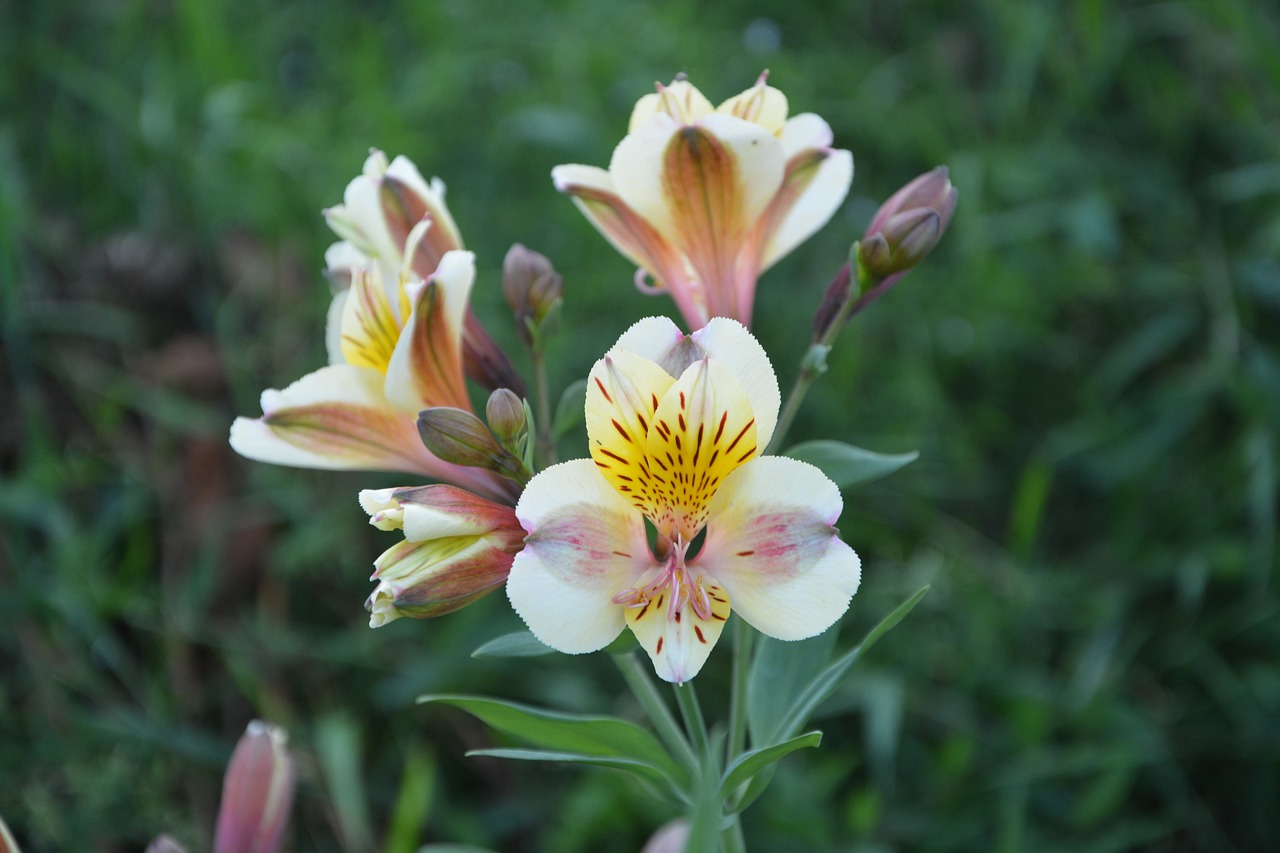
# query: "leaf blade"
[847,465]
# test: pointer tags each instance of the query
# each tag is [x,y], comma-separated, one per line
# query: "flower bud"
[670,838]
[458,547]
[458,436]
[907,226]
[533,289]
[257,792]
[159,844]
[506,415]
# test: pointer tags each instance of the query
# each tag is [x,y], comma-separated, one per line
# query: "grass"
[1088,366]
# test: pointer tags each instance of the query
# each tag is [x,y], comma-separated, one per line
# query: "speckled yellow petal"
[623,392]
[702,429]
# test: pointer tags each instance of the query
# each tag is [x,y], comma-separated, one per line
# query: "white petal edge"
[813,209]
[804,131]
[563,582]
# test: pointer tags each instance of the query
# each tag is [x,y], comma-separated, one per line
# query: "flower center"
[675,586]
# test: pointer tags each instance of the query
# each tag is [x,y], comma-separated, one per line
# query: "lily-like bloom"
[704,199]
[676,424]
[392,216]
[457,548]
[397,350]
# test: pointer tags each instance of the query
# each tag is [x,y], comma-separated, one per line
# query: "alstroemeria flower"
[706,199]
[676,424]
[457,548]
[400,345]
[380,211]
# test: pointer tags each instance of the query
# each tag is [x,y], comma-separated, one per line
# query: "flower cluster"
[677,518]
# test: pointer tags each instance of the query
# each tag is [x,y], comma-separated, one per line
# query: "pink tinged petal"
[432,512]
[629,232]
[257,793]
[816,183]
[677,635]
[436,576]
[761,104]
[407,201]
[659,340]
[335,418]
[717,179]
[585,545]
[425,368]
[680,100]
[772,544]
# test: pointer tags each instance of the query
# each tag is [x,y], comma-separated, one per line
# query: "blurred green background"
[1089,366]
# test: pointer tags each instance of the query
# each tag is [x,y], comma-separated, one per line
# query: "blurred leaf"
[778,674]
[337,743]
[753,761]
[847,465]
[454,848]
[602,737]
[829,679]
[413,803]
[571,410]
[518,644]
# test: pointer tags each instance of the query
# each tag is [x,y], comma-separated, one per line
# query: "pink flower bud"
[908,225]
[257,792]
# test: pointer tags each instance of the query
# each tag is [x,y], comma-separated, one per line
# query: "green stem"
[869,291]
[694,724]
[664,722]
[731,840]
[542,402]
[742,643]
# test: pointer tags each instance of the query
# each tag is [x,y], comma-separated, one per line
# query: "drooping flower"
[676,424]
[381,209]
[457,548]
[704,199]
[397,349]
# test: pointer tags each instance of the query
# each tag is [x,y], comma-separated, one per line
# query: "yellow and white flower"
[397,349]
[676,424]
[704,199]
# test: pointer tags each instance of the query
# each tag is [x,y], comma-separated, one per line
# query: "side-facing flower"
[675,424]
[397,350]
[391,215]
[704,199]
[457,547]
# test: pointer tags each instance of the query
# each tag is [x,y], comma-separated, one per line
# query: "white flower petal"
[813,190]
[585,545]
[771,543]
[807,130]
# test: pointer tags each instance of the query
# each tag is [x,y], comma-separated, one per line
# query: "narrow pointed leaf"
[520,644]
[826,682]
[642,769]
[570,411]
[847,465]
[750,763]
[779,672]
[602,737]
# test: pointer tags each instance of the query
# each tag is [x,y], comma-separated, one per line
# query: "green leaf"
[847,465]
[601,737]
[642,769]
[779,671]
[337,740]
[520,644]
[413,801]
[826,682]
[571,410]
[752,762]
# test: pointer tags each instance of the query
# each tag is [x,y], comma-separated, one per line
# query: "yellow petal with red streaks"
[623,392]
[702,429]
